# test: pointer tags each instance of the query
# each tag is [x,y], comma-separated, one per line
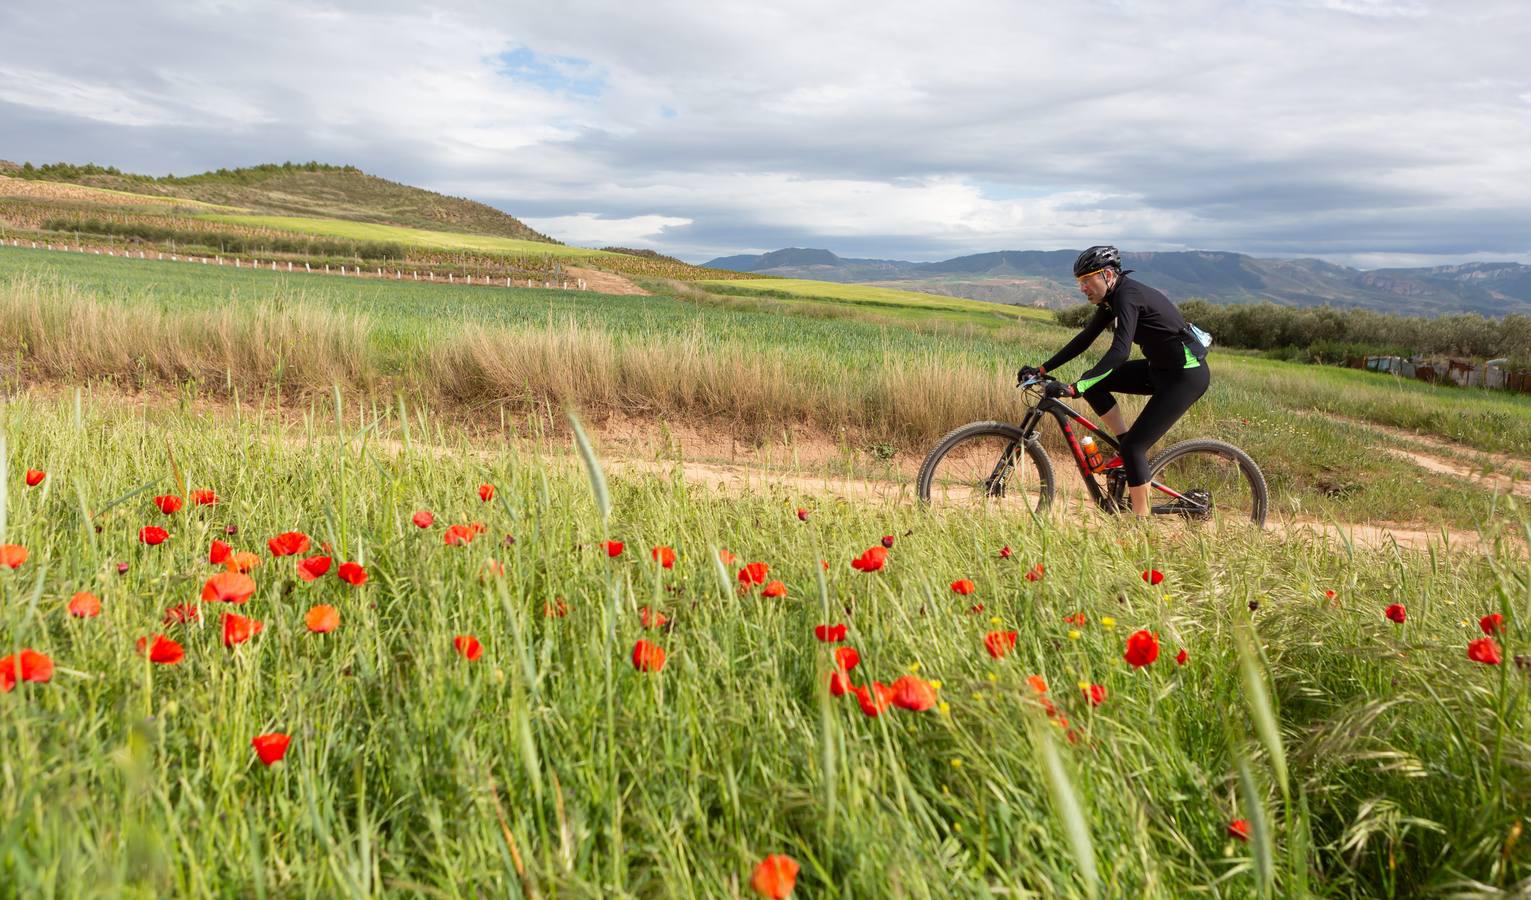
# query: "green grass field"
[1368,758]
[908,304]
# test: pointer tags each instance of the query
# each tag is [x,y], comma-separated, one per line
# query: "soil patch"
[604,282]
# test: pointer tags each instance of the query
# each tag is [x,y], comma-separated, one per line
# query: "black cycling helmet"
[1102,256]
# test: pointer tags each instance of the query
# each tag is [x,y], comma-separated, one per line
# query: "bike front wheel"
[988,465]
[1204,480]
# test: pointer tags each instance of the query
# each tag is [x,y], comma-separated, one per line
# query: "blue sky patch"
[555,74]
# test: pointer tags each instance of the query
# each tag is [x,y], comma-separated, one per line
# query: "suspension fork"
[995,483]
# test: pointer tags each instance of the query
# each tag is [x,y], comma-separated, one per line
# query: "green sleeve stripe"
[1190,360]
[1085,384]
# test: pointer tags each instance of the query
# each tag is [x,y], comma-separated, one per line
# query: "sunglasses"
[1087,276]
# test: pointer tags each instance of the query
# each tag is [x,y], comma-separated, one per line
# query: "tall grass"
[552,766]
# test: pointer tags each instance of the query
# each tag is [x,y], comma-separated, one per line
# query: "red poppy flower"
[35,477]
[802,514]
[1484,650]
[478,528]
[271,747]
[1329,595]
[152,534]
[228,587]
[775,876]
[998,643]
[486,492]
[773,590]
[725,557]
[963,586]
[648,657]
[1491,623]
[162,650]
[168,503]
[1004,552]
[555,609]
[241,561]
[873,698]
[1095,693]
[288,543]
[1181,657]
[1038,684]
[219,552]
[652,618]
[322,619]
[614,548]
[830,634]
[313,567]
[1239,828]
[872,560]
[204,497]
[910,692]
[754,573]
[846,658]
[85,605]
[1036,572]
[665,556]
[351,573]
[1396,613]
[887,542]
[458,535]
[423,519]
[238,629]
[468,646]
[1077,619]
[1142,649]
[180,615]
[493,568]
[839,684]
[28,665]
[1153,576]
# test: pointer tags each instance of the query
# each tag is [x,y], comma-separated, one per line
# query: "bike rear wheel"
[986,465]
[1205,480]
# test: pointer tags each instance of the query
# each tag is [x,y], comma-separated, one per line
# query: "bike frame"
[1111,501]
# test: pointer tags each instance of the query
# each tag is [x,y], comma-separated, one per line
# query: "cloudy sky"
[1368,132]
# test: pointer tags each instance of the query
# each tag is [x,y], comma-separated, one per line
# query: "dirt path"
[802,463]
[1443,457]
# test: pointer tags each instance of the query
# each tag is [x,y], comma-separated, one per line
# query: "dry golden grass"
[52,332]
[49,331]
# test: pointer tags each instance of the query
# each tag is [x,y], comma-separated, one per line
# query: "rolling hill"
[303,189]
[1041,278]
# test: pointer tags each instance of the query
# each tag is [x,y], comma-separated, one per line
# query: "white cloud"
[592,230]
[1308,127]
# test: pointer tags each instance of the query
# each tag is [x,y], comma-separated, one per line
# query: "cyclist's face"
[1095,285]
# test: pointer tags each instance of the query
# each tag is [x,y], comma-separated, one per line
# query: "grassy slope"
[736,362]
[551,762]
[328,193]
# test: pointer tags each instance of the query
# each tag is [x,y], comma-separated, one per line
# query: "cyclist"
[1173,370]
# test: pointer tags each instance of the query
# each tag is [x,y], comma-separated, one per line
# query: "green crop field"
[1302,744]
[413,237]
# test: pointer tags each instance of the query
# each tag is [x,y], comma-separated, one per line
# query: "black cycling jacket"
[1144,317]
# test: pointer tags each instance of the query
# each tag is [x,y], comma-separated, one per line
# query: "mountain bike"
[998,464]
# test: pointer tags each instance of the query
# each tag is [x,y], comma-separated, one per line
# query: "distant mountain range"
[1041,278]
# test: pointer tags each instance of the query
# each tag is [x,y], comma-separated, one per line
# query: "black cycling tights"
[1171,392]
